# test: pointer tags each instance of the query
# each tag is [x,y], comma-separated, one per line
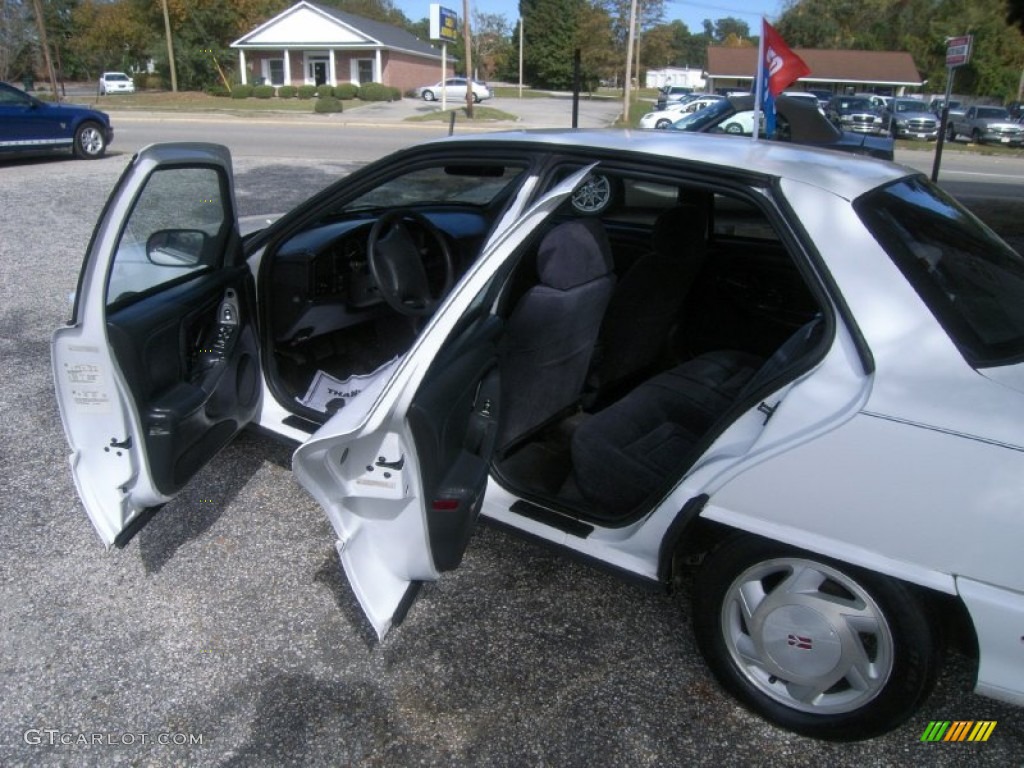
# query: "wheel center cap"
[801,642]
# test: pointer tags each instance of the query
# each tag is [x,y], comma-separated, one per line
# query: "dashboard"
[321,280]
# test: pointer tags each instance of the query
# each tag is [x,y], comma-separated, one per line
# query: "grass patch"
[512,92]
[480,115]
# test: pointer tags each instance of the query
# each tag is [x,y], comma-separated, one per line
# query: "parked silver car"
[454,89]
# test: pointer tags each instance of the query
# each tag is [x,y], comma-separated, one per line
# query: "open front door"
[159,367]
[401,471]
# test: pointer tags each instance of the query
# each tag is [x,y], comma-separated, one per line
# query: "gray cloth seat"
[626,452]
[647,301]
[550,336]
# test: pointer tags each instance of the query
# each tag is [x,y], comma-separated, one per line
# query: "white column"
[241,64]
[378,68]
[287,67]
[331,75]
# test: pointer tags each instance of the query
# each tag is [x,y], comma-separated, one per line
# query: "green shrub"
[286,92]
[153,82]
[323,91]
[141,80]
[241,92]
[218,90]
[307,91]
[346,91]
[327,104]
[263,91]
[396,94]
[374,92]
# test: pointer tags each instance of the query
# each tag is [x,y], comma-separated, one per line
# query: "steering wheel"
[403,265]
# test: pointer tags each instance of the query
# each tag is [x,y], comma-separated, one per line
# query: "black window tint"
[970,279]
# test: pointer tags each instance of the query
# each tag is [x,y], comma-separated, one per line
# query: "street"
[224,634]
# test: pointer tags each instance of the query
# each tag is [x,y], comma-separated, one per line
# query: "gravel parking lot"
[225,635]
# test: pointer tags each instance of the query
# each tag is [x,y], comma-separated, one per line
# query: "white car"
[116,82]
[663,118]
[454,89]
[809,392]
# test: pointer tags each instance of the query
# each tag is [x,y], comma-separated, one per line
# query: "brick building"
[311,44]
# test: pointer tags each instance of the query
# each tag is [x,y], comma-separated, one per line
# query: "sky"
[691,14]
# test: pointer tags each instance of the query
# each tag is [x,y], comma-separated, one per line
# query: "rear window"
[970,279]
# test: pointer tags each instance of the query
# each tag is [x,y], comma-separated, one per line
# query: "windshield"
[971,280]
[474,185]
[856,104]
[697,121]
[993,113]
[911,106]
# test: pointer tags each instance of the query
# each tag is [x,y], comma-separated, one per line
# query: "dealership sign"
[958,51]
[444,24]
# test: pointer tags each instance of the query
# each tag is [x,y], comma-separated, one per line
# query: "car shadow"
[202,502]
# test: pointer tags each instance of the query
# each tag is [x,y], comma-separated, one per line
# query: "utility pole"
[170,48]
[521,59]
[629,62]
[469,59]
[41,23]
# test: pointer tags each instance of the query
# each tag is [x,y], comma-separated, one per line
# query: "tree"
[731,29]
[109,36]
[202,31]
[599,56]
[17,39]
[492,44]
[549,36]
[1015,13]
[919,27]
[672,45]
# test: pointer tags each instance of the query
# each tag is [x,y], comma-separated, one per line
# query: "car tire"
[976,137]
[90,143]
[476,98]
[733,128]
[662,124]
[429,96]
[596,195]
[815,646]
[951,134]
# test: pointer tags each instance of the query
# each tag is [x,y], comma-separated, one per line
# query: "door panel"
[453,420]
[190,401]
[159,367]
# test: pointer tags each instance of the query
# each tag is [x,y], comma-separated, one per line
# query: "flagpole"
[759,86]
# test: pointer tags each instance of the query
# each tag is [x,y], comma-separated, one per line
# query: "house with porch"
[311,44]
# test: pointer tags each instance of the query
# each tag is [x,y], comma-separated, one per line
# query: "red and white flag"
[777,68]
[781,65]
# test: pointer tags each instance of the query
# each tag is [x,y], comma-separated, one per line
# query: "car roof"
[846,175]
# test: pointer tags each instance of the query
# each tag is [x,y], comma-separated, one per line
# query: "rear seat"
[624,453]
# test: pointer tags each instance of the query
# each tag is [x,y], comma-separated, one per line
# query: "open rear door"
[401,471]
[159,366]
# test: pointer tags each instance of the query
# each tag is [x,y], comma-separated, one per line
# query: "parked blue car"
[28,124]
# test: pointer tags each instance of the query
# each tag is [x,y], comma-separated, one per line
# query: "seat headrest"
[574,253]
[682,229]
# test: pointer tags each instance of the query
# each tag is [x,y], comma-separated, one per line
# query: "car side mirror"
[176,247]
